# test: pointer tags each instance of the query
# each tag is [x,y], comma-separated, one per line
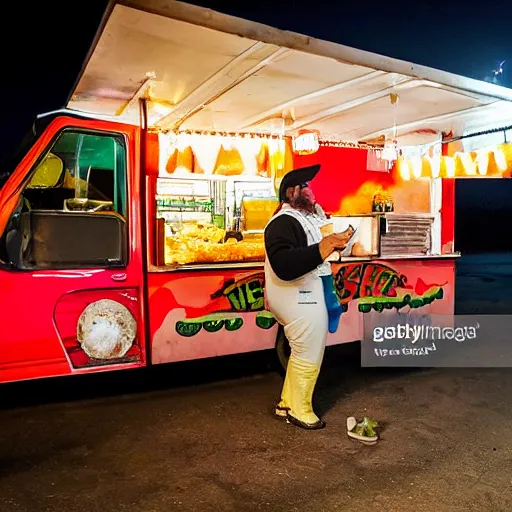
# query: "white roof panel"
[205,71]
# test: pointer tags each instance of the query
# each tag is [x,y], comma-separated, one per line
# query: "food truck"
[132,223]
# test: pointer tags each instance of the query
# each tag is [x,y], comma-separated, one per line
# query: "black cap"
[297,177]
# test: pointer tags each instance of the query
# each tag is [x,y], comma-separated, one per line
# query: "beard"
[304,203]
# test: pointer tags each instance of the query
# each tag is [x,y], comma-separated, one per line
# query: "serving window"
[215,195]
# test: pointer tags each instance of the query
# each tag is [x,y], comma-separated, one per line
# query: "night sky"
[44,50]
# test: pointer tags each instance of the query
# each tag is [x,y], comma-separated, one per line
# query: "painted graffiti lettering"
[255,295]
[376,286]
[246,294]
[359,280]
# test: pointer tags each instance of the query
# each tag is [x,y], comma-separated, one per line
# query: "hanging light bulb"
[390,151]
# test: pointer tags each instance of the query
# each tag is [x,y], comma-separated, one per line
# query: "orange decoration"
[447,168]
[464,165]
[229,162]
[181,159]
[170,167]
[503,156]
[262,160]
[288,155]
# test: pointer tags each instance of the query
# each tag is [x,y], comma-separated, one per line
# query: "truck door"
[70,253]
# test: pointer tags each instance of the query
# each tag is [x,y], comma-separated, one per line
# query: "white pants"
[299,306]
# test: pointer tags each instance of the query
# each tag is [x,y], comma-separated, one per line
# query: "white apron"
[299,306]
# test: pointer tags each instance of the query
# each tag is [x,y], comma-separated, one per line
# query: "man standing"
[297,281]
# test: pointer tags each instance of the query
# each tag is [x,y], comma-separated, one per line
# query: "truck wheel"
[283,351]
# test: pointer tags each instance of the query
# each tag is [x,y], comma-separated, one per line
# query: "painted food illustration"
[373,286]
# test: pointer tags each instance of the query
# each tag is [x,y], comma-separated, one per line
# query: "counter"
[260,264]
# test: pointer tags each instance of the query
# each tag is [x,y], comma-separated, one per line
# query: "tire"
[282,351]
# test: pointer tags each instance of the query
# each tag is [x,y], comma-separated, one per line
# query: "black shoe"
[307,426]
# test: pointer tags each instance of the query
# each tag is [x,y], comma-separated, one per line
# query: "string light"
[349,145]
[231,135]
[463,164]
[249,135]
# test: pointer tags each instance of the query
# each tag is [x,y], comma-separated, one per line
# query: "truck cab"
[71,235]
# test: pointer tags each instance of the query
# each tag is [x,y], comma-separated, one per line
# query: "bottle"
[377,205]
[389,205]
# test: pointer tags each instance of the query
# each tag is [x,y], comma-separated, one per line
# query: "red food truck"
[131,225]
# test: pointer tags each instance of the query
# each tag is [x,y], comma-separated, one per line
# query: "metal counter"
[260,264]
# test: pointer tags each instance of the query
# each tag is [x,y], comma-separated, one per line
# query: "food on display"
[277,161]
[203,232]
[204,244]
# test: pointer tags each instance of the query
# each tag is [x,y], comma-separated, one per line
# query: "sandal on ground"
[364,431]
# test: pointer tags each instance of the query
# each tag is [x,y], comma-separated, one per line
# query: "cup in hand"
[327,229]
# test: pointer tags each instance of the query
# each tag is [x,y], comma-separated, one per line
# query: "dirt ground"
[446,446]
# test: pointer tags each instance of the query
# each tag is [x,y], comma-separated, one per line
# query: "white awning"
[206,71]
